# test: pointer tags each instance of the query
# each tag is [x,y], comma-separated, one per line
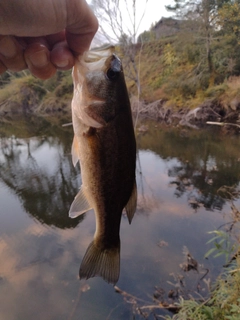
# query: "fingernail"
[7,47]
[39,59]
[63,64]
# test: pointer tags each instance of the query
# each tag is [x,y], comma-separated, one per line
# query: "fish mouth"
[95,59]
[106,64]
[96,54]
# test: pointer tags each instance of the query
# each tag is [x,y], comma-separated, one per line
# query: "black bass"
[104,143]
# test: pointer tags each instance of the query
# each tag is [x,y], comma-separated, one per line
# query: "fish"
[104,144]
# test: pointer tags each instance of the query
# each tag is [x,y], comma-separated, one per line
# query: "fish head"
[99,87]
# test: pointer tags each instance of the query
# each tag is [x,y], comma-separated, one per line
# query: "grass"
[224,302]
[165,74]
[224,299]
[25,93]
[169,75]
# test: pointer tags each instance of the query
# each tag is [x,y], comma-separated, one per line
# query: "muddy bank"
[210,112]
[29,95]
[30,105]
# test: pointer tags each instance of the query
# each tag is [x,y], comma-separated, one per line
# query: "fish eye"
[111,74]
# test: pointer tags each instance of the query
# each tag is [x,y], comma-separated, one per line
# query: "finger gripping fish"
[104,144]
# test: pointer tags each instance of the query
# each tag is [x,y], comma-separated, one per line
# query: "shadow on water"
[35,167]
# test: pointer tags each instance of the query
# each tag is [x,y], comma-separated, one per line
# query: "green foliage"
[224,303]
[169,57]
[216,91]
[24,92]
[224,300]
[65,86]
[182,87]
[192,310]
[205,51]
[229,17]
[222,245]
[20,90]
[146,36]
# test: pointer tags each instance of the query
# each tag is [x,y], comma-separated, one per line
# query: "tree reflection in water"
[199,162]
[45,187]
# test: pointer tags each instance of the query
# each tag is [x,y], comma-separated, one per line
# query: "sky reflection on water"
[41,248]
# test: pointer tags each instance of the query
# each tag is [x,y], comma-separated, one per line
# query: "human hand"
[44,35]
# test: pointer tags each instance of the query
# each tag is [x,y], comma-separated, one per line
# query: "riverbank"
[21,93]
[30,96]
[25,94]
[208,112]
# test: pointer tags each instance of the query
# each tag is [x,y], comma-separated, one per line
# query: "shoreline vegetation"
[27,95]
[164,98]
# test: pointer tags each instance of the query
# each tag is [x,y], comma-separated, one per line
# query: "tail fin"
[101,262]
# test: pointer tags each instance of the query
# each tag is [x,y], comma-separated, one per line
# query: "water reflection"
[199,163]
[41,248]
[38,171]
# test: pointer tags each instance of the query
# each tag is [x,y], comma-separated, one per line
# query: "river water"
[179,173]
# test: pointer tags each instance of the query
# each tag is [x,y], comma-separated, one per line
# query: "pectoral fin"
[75,156]
[132,204]
[80,205]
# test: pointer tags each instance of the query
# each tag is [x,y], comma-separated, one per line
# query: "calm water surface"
[178,175]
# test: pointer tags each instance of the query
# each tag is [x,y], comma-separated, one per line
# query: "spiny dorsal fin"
[101,262]
[80,204]
[75,156]
[132,204]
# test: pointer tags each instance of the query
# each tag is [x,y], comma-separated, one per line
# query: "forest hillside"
[175,67]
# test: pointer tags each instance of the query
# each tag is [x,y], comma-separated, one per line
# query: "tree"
[229,17]
[204,14]
[229,28]
[119,23]
[146,36]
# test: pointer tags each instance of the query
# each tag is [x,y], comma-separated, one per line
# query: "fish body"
[104,143]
